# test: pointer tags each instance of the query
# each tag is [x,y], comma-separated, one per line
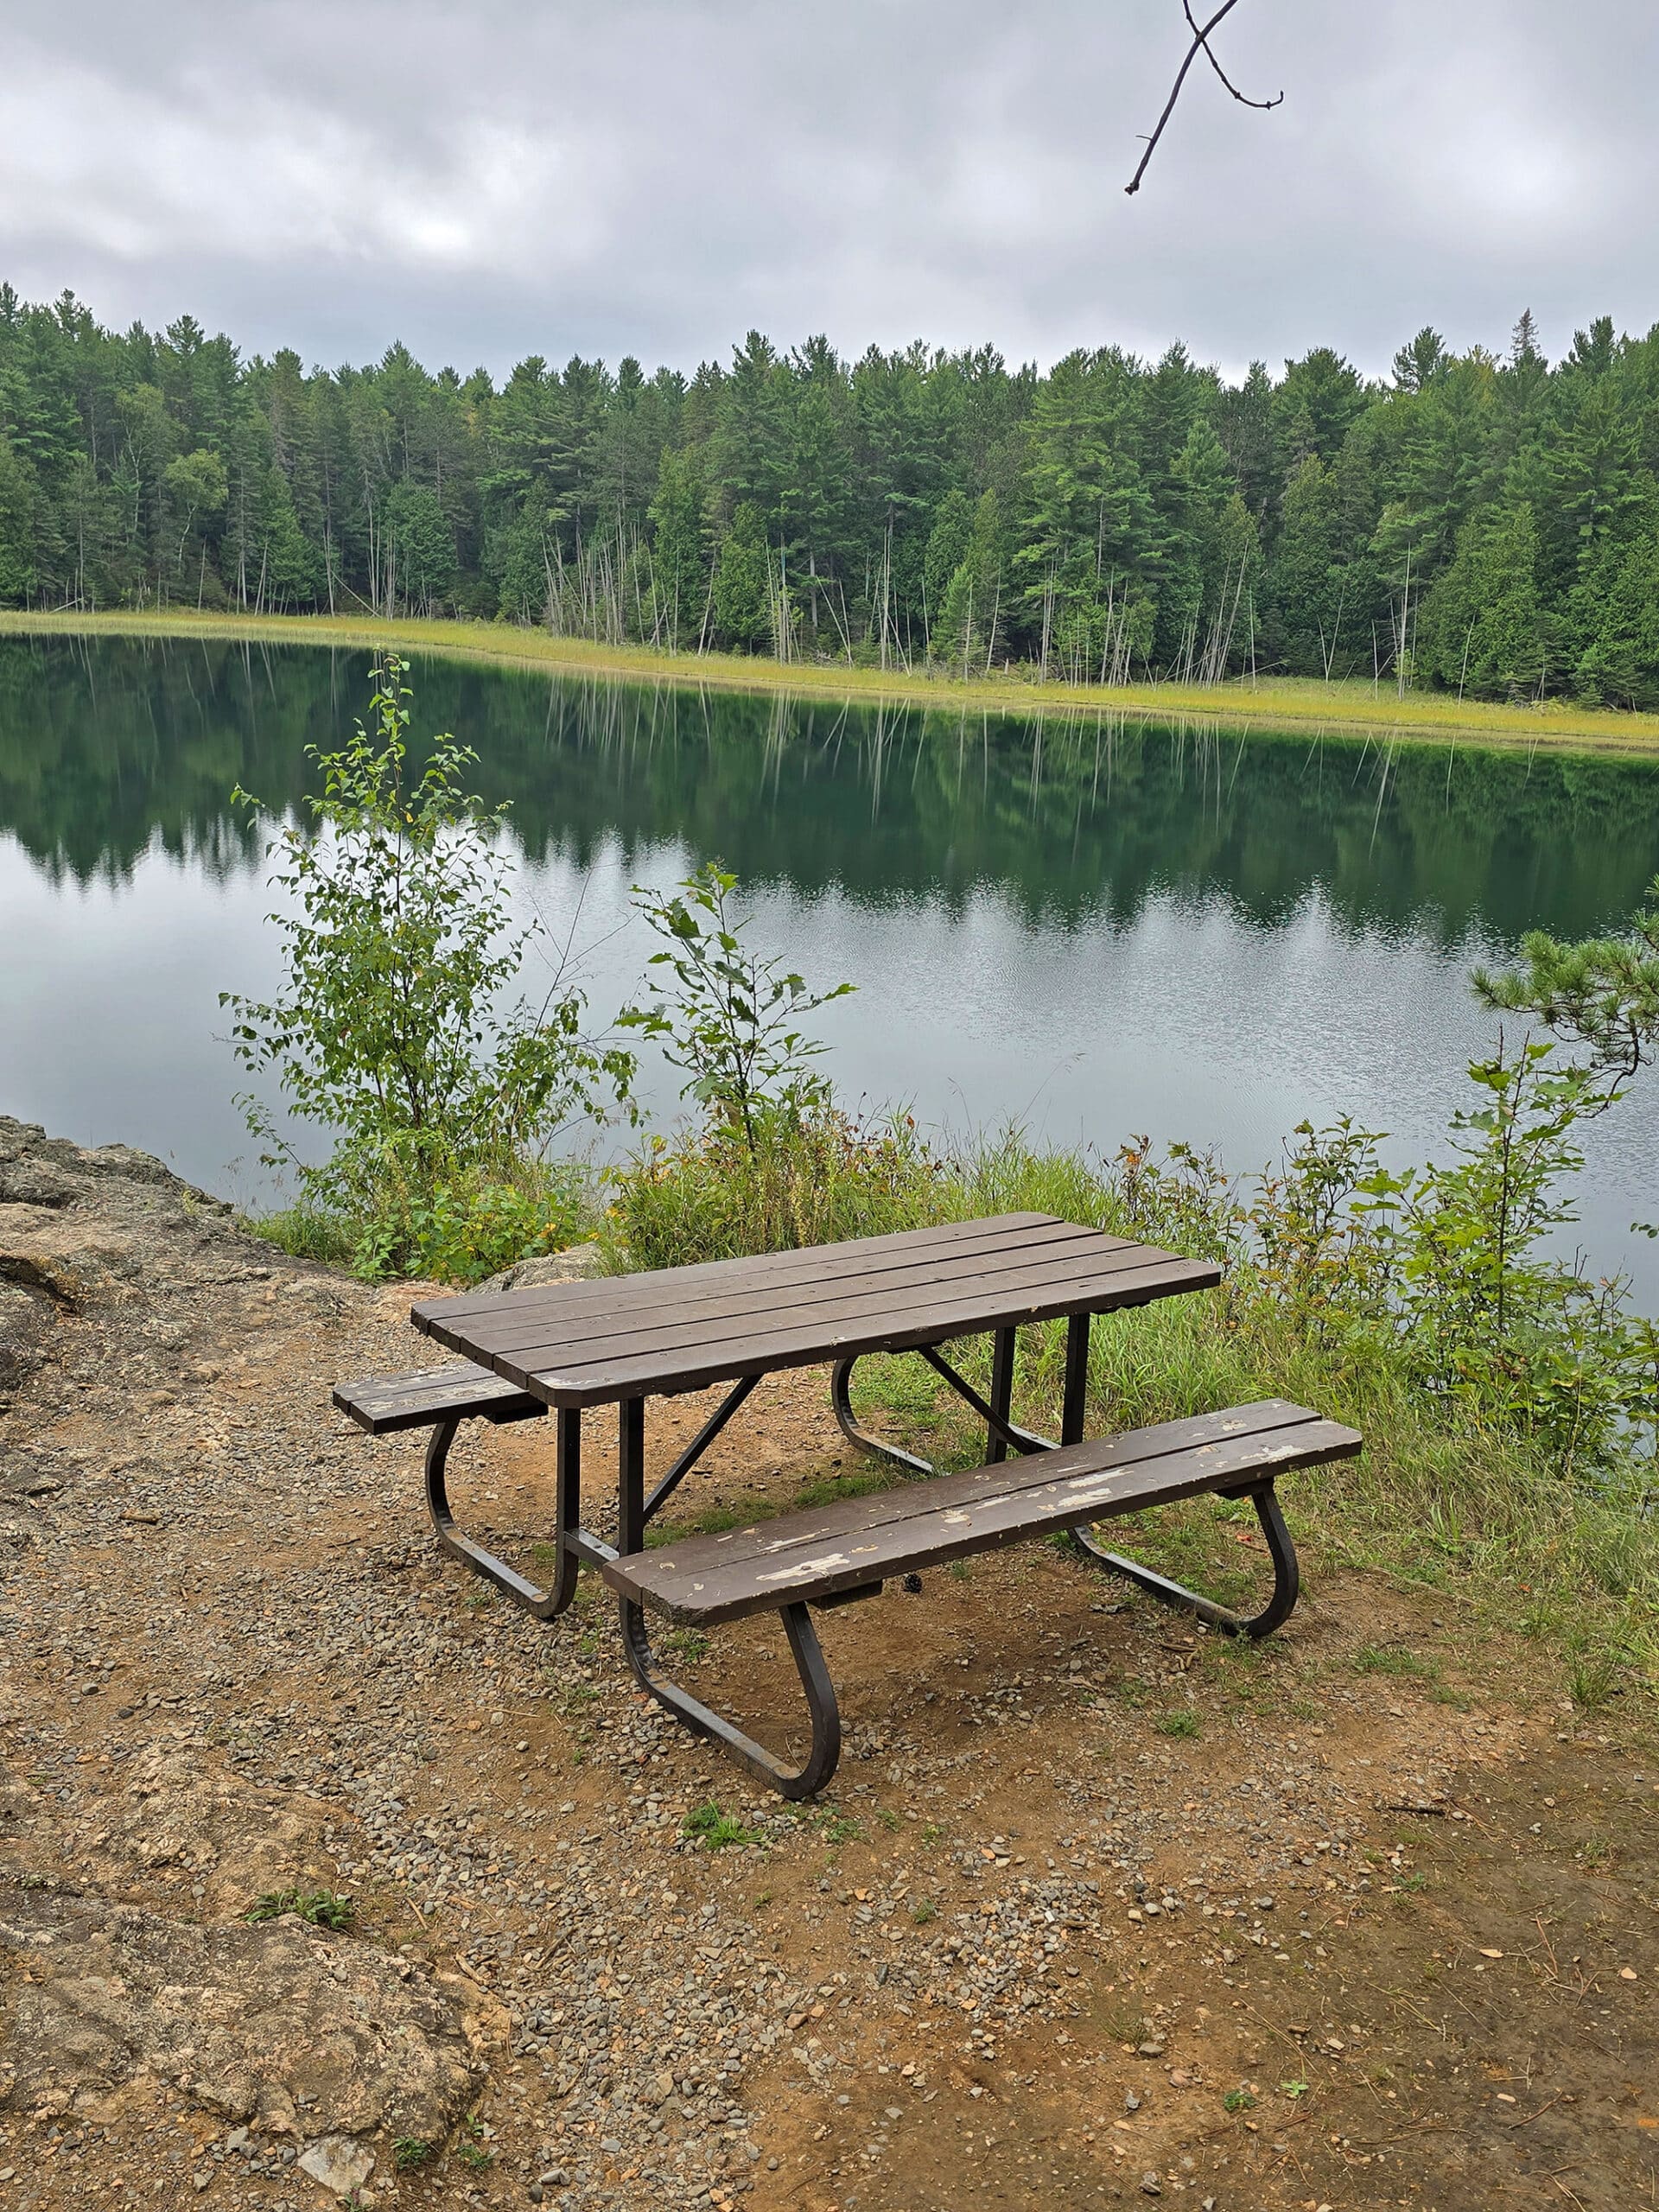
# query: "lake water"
[1100,926]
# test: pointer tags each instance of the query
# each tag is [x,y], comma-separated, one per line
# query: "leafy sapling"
[726,1016]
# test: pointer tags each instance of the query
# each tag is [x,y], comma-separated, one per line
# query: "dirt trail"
[1097,1908]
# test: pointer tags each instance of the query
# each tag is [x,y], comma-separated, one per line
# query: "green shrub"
[393,1031]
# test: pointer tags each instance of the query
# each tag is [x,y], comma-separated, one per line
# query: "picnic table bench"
[556,1350]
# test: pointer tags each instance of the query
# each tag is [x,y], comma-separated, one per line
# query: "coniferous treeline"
[1481,524]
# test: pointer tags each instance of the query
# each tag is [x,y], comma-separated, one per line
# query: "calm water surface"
[1101,927]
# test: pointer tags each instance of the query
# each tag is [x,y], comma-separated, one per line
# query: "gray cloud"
[526,176]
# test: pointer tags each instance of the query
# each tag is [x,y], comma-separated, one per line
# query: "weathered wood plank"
[383,1403]
[844,1519]
[804,1263]
[526,1340]
[885,1330]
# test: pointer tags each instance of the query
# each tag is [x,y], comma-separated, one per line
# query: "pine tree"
[1620,665]
[682,565]
[1305,595]
[19,527]
[1417,365]
[742,599]
[1483,628]
[947,547]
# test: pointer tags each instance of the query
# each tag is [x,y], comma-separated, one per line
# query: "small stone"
[1151,2050]
[340,2163]
[1151,2186]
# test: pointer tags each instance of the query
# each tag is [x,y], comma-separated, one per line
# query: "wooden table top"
[594,1342]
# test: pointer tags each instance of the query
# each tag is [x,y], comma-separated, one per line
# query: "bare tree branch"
[1200,45]
[1203,37]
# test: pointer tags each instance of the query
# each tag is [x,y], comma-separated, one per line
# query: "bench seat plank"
[856,1542]
[460,1390]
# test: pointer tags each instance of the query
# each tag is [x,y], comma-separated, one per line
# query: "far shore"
[1300,703]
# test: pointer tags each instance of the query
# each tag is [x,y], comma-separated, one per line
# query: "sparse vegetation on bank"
[1268,703]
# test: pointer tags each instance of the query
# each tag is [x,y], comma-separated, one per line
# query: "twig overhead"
[1200,45]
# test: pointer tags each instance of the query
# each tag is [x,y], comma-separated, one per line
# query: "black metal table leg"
[545,1604]
[1074,1406]
[568,1507]
[841,1400]
[702,1719]
[996,1448]
[993,1411]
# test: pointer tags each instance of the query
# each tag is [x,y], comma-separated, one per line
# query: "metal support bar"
[699,1444]
[997,1423]
[994,1411]
[588,1549]
[841,1400]
[632,1514]
[630,1476]
[1286,1581]
[544,1604]
[793,1782]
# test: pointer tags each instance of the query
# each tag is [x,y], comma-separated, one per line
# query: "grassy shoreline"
[1274,703]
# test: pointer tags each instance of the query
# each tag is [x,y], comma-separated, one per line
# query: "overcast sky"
[504,177]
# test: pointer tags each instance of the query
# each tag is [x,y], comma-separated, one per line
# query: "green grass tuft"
[716,1830]
[321,1908]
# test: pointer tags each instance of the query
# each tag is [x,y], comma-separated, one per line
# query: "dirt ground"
[1098,1907]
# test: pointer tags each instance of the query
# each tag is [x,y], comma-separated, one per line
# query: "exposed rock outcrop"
[280,2025]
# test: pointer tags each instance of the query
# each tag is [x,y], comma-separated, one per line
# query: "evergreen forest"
[1483,525]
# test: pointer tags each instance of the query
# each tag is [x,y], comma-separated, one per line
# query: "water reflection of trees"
[107,748]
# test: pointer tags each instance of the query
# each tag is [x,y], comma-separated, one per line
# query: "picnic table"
[557,1351]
